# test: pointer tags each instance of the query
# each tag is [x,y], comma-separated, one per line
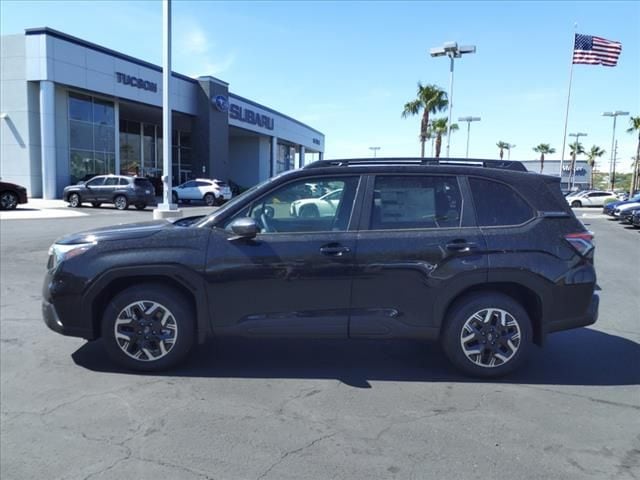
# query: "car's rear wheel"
[148,328]
[309,211]
[210,199]
[141,206]
[96,204]
[75,200]
[576,204]
[8,201]
[121,202]
[487,334]
[174,197]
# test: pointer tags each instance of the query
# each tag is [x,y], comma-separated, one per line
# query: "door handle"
[461,246]
[334,250]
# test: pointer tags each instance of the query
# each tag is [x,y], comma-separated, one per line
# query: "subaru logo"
[222,103]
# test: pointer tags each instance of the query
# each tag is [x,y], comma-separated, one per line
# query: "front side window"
[412,201]
[95,182]
[111,181]
[498,204]
[293,208]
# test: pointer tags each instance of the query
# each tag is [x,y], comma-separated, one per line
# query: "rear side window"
[409,202]
[124,181]
[498,204]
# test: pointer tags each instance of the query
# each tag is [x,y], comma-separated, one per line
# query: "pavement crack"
[288,453]
[586,397]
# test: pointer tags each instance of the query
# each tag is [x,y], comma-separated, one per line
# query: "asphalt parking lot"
[301,409]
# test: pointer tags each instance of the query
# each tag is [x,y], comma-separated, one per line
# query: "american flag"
[596,51]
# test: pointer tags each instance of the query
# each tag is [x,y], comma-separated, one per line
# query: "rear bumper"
[588,318]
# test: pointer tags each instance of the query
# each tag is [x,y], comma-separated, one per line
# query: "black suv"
[482,256]
[120,190]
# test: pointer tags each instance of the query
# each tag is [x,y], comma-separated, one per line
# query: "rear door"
[107,190]
[418,243]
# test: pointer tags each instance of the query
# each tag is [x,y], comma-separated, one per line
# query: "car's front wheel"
[174,197]
[8,201]
[576,204]
[487,334]
[74,200]
[148,328]
[210,199]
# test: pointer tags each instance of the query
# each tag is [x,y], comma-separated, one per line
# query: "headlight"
[58,253]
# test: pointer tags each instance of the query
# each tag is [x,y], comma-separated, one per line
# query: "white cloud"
[197,51]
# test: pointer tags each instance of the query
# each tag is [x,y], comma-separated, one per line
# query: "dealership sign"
[246,115]
[136,82]
[221,103]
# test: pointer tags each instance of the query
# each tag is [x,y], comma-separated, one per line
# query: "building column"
[116,115]
[48,139]
[274,155]
[301,157]
[320,155]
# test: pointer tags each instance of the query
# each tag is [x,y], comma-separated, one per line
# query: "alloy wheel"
[490,337]
[8,201]
[146,330]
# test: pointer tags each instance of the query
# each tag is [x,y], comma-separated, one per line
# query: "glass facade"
[286,156]
[91,136]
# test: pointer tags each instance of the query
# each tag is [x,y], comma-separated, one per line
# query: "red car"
[11,195]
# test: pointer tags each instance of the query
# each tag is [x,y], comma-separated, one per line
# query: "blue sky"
[347,68]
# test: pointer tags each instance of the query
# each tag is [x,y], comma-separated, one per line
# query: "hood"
[116,232]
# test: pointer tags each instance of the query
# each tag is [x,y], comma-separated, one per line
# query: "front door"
[416,244]
[294,278]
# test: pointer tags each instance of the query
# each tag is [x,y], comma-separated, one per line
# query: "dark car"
[610,207]
[626,216]
[11,195]
[482,256]
[120,190]
[635,220]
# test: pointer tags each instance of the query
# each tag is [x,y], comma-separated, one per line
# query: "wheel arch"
[527,297]
[112,283]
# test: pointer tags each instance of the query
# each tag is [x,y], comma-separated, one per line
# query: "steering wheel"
[265,219]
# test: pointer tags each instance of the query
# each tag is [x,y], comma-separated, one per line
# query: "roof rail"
[464,162]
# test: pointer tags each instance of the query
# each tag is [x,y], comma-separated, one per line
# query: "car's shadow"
[578,357]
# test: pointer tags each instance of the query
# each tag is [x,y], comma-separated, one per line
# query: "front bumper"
[52,320]
[588,318]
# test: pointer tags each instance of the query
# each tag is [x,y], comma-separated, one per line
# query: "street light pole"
[469,120]
[375,150]
[453,51]
[613,143]
[572,171]
[509,147]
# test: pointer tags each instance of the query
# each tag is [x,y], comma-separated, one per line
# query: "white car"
[593,198]
[213,192]
[324,206]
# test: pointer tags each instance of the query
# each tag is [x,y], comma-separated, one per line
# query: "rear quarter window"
[142,182]
[498,204]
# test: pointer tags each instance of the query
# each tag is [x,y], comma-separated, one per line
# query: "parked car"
[610,207]
[635,220]
[11,195]
[325,206]
[212,192]
[626,216]
[592,198]
[120,190]
[625,207]
[486,260]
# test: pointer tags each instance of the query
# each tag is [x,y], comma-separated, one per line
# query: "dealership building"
[70,108]
[581,175]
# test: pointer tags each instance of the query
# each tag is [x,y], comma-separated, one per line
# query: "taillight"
[582,242]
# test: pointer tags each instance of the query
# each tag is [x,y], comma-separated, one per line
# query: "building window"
[91,136]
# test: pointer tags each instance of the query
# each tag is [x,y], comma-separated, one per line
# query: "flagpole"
[566,116]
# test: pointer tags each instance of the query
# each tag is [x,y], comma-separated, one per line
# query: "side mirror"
[245,227]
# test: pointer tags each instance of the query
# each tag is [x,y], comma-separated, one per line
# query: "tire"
[309,211]
[576,204]
[471,316]
[96,204]
[141,206]
[125,315]
[75,201]
[8,201]
[174,197]
[210,199]
[121,202]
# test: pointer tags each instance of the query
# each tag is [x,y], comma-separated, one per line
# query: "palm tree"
[430,99]
[576,149]
[544,149]
[635,127]
[439,128]
[502,146]
[592,154]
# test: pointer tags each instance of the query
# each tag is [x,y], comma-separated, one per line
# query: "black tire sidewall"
[210,199]
[460,312]
[171,299]
[14,204]
[576,204]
